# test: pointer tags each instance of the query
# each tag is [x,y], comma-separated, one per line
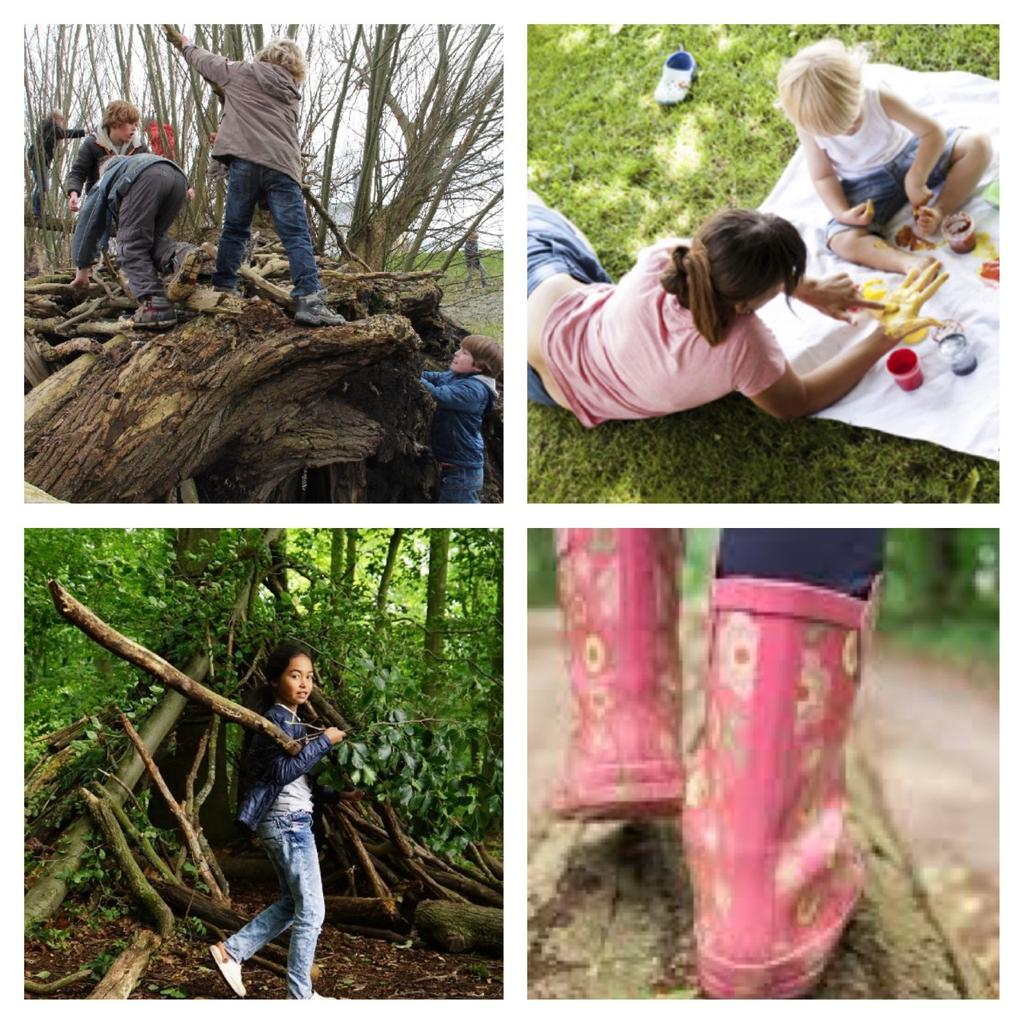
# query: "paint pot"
[905,369]
[958,230]
[954,348]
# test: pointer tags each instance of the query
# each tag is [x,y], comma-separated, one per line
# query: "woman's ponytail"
[688,278]
[736,256]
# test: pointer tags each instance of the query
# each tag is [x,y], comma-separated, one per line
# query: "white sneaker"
[230,970]
[316,995]
[677,74]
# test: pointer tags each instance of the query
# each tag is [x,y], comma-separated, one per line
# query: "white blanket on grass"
[961,413]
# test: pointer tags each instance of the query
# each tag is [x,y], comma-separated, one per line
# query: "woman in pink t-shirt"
[680,329]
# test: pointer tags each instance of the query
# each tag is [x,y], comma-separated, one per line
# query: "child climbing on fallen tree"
[142,194]
[464,394]
[870,152]
[258,139]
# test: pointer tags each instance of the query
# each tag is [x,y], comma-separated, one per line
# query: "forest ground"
[352,966]
[929,731]
[629,172]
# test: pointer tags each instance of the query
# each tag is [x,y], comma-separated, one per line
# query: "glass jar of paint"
[905,369]
[958,230]
[954,348]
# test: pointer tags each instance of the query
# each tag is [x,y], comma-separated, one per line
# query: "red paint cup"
[905,370]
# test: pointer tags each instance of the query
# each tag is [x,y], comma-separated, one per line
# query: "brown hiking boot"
[155,311]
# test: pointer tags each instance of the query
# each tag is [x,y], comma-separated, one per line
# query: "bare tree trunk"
[458,928]
[389,568]
[437,592]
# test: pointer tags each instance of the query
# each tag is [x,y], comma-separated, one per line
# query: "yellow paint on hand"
[874,290]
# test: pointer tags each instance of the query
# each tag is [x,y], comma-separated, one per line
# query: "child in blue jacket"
[464,395]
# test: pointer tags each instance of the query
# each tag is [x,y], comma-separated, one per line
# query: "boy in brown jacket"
[258,138]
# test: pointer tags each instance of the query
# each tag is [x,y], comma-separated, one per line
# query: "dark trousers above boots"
[147,211]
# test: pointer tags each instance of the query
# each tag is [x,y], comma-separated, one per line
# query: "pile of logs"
[237,402]
[379,881]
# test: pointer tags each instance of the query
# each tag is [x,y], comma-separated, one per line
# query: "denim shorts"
[535,390]
[884,187]
[554,245]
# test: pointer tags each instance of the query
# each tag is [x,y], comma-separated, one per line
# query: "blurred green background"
[940,598]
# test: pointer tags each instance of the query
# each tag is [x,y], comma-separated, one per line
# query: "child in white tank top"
[869,153]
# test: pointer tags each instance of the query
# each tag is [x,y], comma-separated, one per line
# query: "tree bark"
[126,971]
[363,910]
[459,928]
[136,881]
[134,422]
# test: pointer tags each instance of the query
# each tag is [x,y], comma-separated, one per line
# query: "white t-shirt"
[878,140]
[296,796]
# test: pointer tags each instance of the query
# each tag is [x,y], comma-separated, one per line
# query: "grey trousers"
[147,211]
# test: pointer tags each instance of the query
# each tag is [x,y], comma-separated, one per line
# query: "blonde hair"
[486,352]
[820,87]
[287,55]
[120,112]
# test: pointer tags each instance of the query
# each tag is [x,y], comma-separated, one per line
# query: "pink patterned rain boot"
[775,873]
[619,593]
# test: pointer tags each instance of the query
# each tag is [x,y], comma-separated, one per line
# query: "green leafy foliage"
[427,732]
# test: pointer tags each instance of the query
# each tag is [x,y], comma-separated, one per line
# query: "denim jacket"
[463,400]
[268,768]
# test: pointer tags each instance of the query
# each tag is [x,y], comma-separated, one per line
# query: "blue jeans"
[461,485]
[885,188]
[289,844]
[248,183]
[842,560]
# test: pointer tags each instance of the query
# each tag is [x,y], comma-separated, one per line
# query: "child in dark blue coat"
[464,395]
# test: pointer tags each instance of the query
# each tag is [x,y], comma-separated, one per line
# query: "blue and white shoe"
[677,74]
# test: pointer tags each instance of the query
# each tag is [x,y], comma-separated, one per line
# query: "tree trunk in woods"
[43,899]
[351,551]
[459,928]
[128,968]
[389,568]
[240,403]
[437,592]
[337,547]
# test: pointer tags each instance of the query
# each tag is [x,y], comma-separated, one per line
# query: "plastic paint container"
[905,369]
[958,230]
[954,347]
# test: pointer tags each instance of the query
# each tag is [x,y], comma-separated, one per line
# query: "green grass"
[629,172]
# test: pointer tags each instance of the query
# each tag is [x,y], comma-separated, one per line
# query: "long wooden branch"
[94,627]
[177,40]
[191,838]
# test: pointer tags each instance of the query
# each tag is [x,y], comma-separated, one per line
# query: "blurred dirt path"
[931,735]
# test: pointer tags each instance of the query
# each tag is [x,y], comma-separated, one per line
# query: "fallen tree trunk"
[128,968]
[146,895]
[458,928]
[133,423]
[363,910]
